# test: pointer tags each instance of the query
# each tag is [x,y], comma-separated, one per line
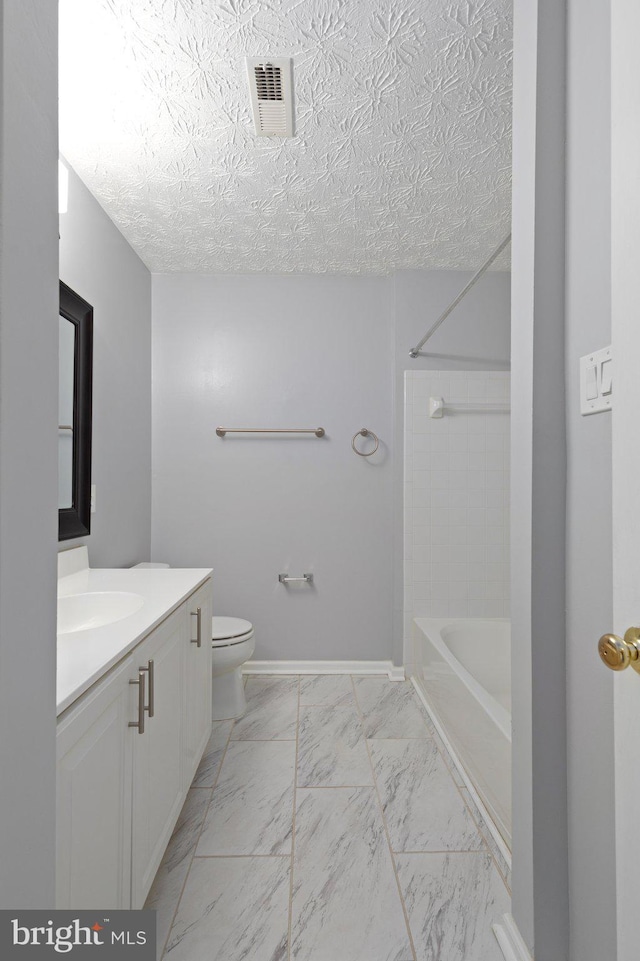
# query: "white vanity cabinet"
[93,818]
[120,790]
[158,786]
[197,718]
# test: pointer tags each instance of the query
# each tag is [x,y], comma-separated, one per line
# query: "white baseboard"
[510,940]
[468,783]
[325,667]
[396,673]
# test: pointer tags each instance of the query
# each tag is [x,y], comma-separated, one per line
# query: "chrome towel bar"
[318,431]
[286,579]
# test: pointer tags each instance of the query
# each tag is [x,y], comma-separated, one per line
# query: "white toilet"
[233,642]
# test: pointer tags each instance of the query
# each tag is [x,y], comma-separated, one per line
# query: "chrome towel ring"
[364,432]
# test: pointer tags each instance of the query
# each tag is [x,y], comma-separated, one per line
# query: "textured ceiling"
[402,152]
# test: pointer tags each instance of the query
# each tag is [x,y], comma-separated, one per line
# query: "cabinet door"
[197,720]
[93,819]
[157,754]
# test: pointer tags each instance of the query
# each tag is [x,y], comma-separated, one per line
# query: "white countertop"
[85,656]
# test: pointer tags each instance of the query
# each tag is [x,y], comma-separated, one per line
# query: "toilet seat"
[227,631]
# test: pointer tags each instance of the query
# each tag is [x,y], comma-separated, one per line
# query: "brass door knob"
[618,653]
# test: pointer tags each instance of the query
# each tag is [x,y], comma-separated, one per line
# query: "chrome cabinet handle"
[198,638]
[150,670]
[141,691]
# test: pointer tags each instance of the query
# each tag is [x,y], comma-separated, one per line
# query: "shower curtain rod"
[415,351]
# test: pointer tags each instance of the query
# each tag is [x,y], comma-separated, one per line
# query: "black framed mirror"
[75,362]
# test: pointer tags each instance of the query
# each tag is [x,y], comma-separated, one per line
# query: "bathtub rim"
[498,714]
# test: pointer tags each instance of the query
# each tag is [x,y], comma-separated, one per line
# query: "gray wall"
[476,336]
[540,876]
[98,263]
[589,562]
[278,351]
[28,441]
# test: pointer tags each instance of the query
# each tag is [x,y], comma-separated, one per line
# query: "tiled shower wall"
[456,497]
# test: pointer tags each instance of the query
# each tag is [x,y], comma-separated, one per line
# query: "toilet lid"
[223,628]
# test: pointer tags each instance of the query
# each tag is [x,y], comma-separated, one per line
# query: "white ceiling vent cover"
[271,95]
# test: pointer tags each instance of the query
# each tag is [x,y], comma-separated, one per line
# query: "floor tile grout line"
[444,754]
[481,832]
[442,751]
[479,851]
[204,857]
[260,740]
[329,707]
[480,827]
[293,828]
[447,761]
[332,707]
[485,845]
[196,842]
[358,707]
[426,737]
[353,707]
[331,787]
[478,820]
[386,828]
[425,720]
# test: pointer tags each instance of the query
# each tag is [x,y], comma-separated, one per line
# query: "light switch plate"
[596,384]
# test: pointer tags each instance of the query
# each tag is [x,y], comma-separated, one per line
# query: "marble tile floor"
[326,825]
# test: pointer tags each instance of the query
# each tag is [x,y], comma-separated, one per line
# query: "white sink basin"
[82,612]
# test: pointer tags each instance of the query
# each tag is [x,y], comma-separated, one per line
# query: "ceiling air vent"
[271,96]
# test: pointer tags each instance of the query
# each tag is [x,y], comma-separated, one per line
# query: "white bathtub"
[464,669]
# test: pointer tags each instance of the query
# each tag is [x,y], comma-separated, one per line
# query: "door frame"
[540,839]
[625,297]
[28,444]
[540,900]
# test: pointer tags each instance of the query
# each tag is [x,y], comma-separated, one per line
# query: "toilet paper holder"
[287,579]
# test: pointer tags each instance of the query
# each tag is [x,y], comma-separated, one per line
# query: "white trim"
[510,940]
[396,673]
[325,667]
[468,783]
